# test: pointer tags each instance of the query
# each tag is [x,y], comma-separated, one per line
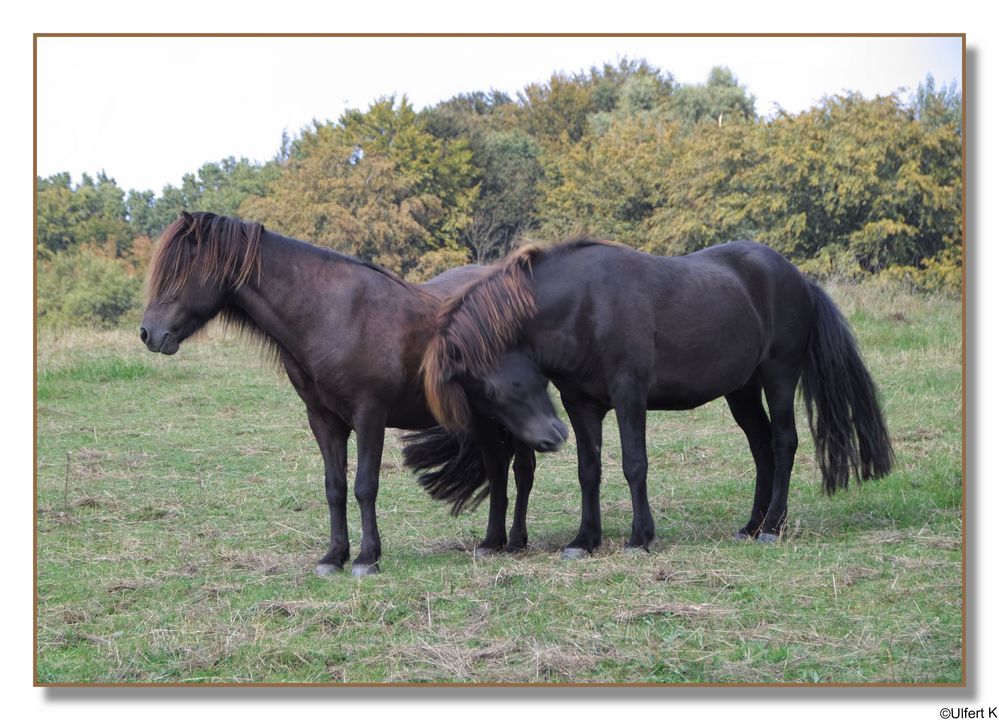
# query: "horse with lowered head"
[614,328]
[351,336]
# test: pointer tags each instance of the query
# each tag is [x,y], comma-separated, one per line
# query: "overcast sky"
[146,111]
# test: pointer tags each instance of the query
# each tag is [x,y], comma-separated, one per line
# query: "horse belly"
[682,398]
[687,380]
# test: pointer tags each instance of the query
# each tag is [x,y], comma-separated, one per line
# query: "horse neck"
[303,291]
[544,335]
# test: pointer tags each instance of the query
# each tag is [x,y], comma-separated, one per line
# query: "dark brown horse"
[616,328]
[351,336]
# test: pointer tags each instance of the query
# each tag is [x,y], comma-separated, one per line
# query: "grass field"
[181,510]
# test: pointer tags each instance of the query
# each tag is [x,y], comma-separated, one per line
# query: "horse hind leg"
[747,408]
[370,441]
[780,398]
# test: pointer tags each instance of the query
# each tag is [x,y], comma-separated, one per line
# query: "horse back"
[691,328]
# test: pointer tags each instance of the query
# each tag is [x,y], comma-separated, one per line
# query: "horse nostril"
[143,335]
[549,445]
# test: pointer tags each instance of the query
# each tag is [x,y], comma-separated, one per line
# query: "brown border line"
[502,35]
[34,360]
[964,363]
[964,360]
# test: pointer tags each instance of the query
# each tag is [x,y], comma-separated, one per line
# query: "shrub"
[84,288]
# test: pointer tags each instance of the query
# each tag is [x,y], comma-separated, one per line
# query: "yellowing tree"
[376,185]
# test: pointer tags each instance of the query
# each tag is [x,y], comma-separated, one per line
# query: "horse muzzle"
[556,435]
[165,342]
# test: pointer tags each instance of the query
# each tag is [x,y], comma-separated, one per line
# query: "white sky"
[148,110]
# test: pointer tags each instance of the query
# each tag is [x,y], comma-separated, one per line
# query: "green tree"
[467,116]
[863,176]
[608,184]
[375,184]
[69,215]
[706,189]
[510,173]
[719,100]
[84,287]
[628,90]
[937,108]
[556,113]
[218,187]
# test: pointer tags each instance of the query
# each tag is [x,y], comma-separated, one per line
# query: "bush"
[941,273]
[84,288]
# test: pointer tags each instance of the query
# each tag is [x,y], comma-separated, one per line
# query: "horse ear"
[186,217]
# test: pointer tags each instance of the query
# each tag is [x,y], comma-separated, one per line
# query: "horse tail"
[841,402]
[451,465]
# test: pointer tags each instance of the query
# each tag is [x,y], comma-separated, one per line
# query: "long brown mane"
[476,326]
[473,329]
[225,249]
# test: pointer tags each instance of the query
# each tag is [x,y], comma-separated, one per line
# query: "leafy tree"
[506,165]
[84,286]
[626,91]
[375,184]
[707,190]
[219,187]
[851,187]
[70,215]
[510,174]
[864,175]
[556,113]
[937,108]
[608,184]
[720,99]
[468,115]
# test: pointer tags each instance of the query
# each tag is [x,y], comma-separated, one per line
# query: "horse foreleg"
[631,410]
[746,405]
[587,425]
[524,462]
[331,435]
[496,459]
[370,440]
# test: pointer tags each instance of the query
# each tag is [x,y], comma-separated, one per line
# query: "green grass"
[180,512]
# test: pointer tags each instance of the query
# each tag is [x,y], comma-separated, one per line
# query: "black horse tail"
[841,402]
[451,467]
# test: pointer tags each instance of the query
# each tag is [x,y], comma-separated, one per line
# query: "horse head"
[515,393]
[199,260]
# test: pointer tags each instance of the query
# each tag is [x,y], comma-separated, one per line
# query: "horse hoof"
[483,552]
[362,570]
[741,535]
[767,538]
[327,569]
[574,553]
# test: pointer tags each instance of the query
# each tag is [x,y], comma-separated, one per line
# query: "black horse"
[616,328]
[351,336]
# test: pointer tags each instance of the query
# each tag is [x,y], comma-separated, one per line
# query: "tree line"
[851,187]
